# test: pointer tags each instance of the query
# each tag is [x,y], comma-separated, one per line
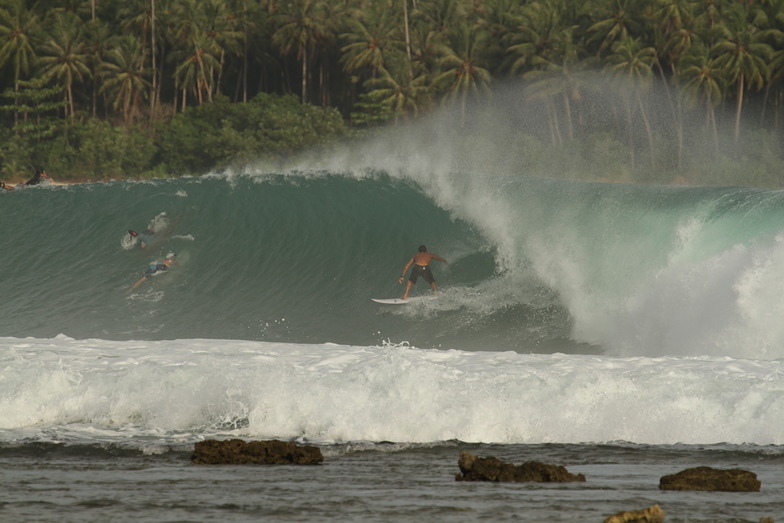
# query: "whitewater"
[331,393]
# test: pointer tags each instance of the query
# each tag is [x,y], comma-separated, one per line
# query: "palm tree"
[674,34]
[423,42]
[222,28]
[261,56]
[250,21]
[64,56]
[775,15]
[17,26]
[619,19]
[198,52]
[173,22]
[430,22]
[371,39]
[743,53]
[407,29]
[98,35]
[441,15]
[776,86]
[633,63]
[198,59]
[500,17]
[461,66]
[548,56]
[701,79]
[399,92]
[707,14]
[300,28]
[125,76]
[140,17]
[674,31]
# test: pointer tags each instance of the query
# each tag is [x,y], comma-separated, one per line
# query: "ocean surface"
[625,332]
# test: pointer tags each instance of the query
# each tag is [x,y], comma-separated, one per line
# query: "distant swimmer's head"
[422,248]
[133,233]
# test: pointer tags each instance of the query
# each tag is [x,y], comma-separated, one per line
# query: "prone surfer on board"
[421,262]
[6,187]
[155,267]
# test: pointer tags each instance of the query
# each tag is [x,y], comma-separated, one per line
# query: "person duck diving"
[144,238]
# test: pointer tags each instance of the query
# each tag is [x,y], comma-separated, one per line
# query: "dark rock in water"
[473,468]
[652,514]
[238,452]
[706,478]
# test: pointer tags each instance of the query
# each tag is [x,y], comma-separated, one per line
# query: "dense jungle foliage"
[103,89]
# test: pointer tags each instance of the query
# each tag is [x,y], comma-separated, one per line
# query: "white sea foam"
[64,389]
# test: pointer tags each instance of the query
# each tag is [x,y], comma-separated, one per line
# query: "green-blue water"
[279,259]
[534,265]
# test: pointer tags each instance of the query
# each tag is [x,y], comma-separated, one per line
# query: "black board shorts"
[421,270]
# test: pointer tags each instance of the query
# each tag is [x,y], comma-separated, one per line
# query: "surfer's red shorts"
[421,270]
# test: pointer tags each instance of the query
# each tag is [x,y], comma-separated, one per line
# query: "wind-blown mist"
[608,132]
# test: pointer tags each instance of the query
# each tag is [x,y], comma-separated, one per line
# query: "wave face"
[535,265]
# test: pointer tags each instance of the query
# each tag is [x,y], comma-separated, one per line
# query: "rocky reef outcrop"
[652,514]
[707,478]
[239,452]
[473,468]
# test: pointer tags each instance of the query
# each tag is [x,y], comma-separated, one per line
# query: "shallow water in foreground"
[376,482]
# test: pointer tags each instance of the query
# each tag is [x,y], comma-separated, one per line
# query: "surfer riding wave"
[421,267]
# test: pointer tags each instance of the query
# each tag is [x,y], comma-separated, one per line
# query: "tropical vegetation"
[108,88]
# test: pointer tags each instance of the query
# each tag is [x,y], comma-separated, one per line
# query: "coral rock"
[238,452]
[706,478]
[652,514]
[473,468]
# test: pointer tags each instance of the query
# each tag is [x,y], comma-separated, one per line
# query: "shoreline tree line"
[134,88]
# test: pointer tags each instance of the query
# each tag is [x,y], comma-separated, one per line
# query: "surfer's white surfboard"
[400,301]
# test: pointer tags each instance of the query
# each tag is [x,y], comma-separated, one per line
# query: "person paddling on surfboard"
[156,267]
[421,262]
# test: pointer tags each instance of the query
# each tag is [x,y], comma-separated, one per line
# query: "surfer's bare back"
[421,262]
